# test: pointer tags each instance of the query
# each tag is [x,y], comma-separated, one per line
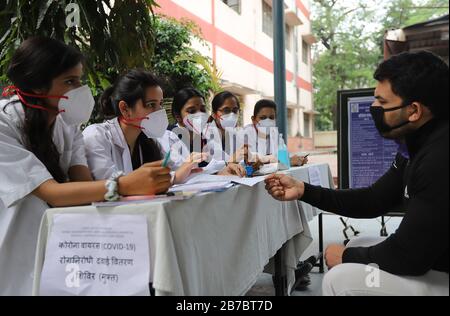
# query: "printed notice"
[370,155]
[97,255]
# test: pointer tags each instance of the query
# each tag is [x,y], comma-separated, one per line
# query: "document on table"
[250,182]
[97,255]
[206,178]
[268,169]
[202,187]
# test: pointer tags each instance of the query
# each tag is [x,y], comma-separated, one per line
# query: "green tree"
[350,35]
[178,62]
[113,35]
[402,13]
[345,56]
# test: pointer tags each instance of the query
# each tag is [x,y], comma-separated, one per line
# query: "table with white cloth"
[214,244]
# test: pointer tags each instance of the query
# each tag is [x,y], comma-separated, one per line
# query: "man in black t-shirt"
[412,107]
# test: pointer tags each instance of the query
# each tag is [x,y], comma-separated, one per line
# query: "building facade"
[239,36]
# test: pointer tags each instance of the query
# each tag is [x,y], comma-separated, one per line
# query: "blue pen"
[166,159]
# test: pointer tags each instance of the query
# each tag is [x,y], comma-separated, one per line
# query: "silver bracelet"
[112,187]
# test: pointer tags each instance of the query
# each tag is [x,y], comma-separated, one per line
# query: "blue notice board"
[364,156]
[370,155]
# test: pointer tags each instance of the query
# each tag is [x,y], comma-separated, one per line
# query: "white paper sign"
[314,176]
[97,255]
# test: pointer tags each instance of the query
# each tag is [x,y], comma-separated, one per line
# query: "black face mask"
[378,116]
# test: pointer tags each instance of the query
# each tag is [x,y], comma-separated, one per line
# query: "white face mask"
[196,122]
[267,123]
[264,126]
[156,124]
[78,106]
[229,120]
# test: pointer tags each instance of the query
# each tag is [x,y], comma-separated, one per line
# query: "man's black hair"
[418,77]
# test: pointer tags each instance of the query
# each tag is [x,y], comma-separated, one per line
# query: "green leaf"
[43,8]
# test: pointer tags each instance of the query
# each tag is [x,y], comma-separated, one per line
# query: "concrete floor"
[332,234]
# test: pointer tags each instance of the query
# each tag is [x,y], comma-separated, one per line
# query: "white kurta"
[21,172]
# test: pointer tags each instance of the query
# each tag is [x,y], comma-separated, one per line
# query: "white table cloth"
[216,243]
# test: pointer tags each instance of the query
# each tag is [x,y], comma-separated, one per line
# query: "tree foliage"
[350,35]
[113,35]
[177,60]
[344,55]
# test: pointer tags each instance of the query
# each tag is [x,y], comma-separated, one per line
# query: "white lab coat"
[107,150]
[21,172]
[237,138]
[259,145]
[213,147]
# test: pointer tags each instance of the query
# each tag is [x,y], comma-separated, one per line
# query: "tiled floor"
[332,234]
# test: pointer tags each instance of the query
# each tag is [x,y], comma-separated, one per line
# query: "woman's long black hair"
[33,67]
[131,88]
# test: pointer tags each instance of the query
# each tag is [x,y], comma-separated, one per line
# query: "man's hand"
[284,188]
[333,255]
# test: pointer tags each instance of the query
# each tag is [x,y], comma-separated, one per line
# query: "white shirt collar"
[118,138]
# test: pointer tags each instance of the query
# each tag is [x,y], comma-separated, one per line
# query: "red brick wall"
[296,144]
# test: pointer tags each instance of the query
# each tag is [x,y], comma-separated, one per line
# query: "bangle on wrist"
[112,187]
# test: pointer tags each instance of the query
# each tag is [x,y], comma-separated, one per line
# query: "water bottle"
[283,153]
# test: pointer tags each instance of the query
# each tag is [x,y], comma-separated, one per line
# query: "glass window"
[305,52]
[267,19]
[234,4]
[288,37]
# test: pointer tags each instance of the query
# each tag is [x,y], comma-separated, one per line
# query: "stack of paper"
[207,178]
[219,186]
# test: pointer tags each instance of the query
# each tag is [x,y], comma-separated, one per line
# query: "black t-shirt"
[421,185]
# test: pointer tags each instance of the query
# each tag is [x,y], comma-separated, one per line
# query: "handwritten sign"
[97,255]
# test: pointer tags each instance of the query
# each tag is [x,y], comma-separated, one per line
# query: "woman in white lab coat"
[223,135]
[42,156]
[189,109]
[263,134]
[137,133]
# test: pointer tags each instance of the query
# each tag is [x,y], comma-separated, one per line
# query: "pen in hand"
[166,160]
